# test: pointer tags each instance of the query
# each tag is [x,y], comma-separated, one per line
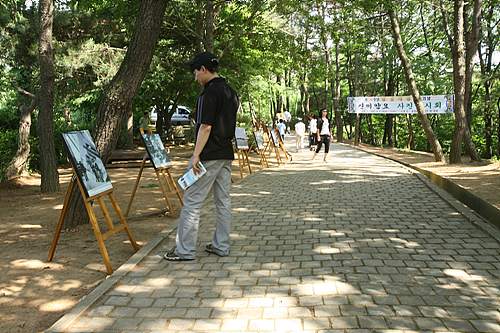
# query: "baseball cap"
[206,59]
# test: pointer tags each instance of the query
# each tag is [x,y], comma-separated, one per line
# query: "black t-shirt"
[217,106]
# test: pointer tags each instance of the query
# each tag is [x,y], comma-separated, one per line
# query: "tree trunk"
[387,139]
[336,96]
[458,54]
[117,100]
[498,127]
[48,162]
[209,26]
[357,130]
[410,144]
[410,79]
[17,165]
[471,46]
[485,62]
[395,130]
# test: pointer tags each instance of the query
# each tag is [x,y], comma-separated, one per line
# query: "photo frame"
[259,140]
[87,162]
[241,138]
[156,151]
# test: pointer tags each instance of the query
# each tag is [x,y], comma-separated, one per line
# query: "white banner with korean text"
[399,104]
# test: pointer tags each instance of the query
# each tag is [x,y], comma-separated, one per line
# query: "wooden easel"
[271,146]
[288,156]
[167,185]
[261,150]
[101,237]
[243,161]
[242,148]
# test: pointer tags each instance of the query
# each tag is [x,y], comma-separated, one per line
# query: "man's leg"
[222,199]
[187,228]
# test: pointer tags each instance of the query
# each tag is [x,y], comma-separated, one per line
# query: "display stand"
[162,165]
[101,237]
[242,149]
[94,184]
[261,148]
[273,144]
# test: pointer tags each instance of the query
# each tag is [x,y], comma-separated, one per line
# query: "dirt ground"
[481,178]
[34,293]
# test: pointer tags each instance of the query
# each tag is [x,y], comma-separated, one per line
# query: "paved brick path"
[354,245]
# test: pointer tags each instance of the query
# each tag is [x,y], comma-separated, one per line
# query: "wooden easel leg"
[135,186]
[266,163]
[247,161]
[278,156]
[98,236]
[60,223]
[240,164]
[123,221]
[165,192]
[105,212]
[174,186]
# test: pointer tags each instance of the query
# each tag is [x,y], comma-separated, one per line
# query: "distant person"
[300,132]
[324,134]
[313,128]
[144,122]
[288,118]
[282,129]
[215,124]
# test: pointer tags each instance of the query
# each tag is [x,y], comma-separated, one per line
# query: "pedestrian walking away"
[300,131]
[216,110]
[282,129]
[313,128]
[324,135]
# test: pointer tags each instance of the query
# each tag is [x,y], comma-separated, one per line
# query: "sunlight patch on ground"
[34,264]
[158,282]
[312,219]
[462,275]
[57,207]
[30,226]
[57,305]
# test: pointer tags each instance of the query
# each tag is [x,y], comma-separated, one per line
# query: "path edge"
[466,203]
[88,300]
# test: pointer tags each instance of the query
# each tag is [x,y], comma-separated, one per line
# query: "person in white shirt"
[288,117]
[312,131]
[300,131]
[323,134]
[282,128]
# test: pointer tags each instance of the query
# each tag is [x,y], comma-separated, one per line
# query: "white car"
[181,116]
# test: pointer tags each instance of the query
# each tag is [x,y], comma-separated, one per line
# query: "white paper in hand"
[189,178]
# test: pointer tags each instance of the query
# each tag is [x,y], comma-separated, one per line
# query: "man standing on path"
[215,124]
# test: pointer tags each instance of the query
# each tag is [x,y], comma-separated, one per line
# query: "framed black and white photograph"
[274,136]
[156,151]
[241,138]
[87,162]
[259,140]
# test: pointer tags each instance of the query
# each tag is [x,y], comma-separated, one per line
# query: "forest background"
[61,63]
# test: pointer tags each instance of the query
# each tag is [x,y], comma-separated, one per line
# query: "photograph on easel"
[87,162]
[156,151]
[259,140]
[274,136]
[241,138]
